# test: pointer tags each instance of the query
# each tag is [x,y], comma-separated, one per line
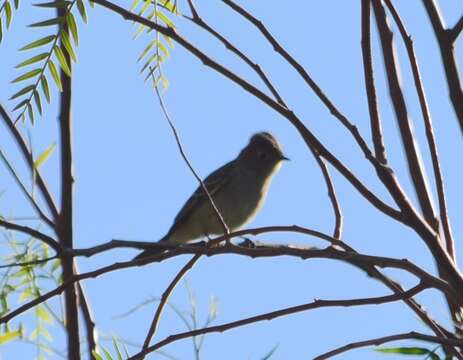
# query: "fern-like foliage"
[59,48]
[158,48]
[6,15]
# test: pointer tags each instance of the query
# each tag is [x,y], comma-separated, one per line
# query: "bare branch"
[376,130]
[429,129]
[165,297]
[88,320]
[28,195]
[445,40]
[356,259]
[384,339]
[34,233]
[456,30]
[28,158]
[412,152]
[278,313]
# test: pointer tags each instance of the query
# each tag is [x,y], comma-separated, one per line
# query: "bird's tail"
[151,252]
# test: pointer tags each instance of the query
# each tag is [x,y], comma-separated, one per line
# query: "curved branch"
[34,233]
[356,259]
[384,339]
[27,157]
[279,313]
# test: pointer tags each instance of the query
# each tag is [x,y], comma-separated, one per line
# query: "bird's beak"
[282,157]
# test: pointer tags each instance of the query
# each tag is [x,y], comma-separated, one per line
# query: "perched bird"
[238,189]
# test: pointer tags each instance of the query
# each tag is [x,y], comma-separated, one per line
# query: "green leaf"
[54,74]
[27,75]
[163,49]
[21,104]
[270,353]
[38,102]
[32,60]
[67,45]
[30,112]
[23,91]
[71,21]
[62,60]
[43,314]
[107,354]
[143,9]
[165,20]
[8,13]
[1,29]
[116,347]
[9,336]
[44,156]
[49,22]
[45,88]
[40,42]
[409,351]
[96,355]
[82,11]
[148,62]
[147,48]
[16,4]
[62,4]
[134,5]
[139,31]
[26,294]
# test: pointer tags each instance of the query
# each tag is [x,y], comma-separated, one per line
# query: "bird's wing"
[214,183]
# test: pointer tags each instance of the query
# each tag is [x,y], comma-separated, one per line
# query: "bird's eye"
[262,155]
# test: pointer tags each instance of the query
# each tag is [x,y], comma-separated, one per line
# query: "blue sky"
[131,181]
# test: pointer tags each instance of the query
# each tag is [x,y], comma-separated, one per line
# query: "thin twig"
[456,30]
[384,339]
[375,120]
[438,177]
[278,313]
[445,39]
[256,67]
[165,297]
[28,195]
[34,233]
[89,322]
[28,263]
[415,167]
[27,157]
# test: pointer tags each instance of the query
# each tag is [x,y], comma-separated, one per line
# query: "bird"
[238,188]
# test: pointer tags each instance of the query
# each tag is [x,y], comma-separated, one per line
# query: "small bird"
[238,189]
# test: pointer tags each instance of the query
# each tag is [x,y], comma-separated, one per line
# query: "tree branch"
[445,39]
[376,130]
[28,158]
[356,259]
[34,233]
[165,297]
[415,167]
[278,313]
[384,339]
[65,219]
[438,177]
